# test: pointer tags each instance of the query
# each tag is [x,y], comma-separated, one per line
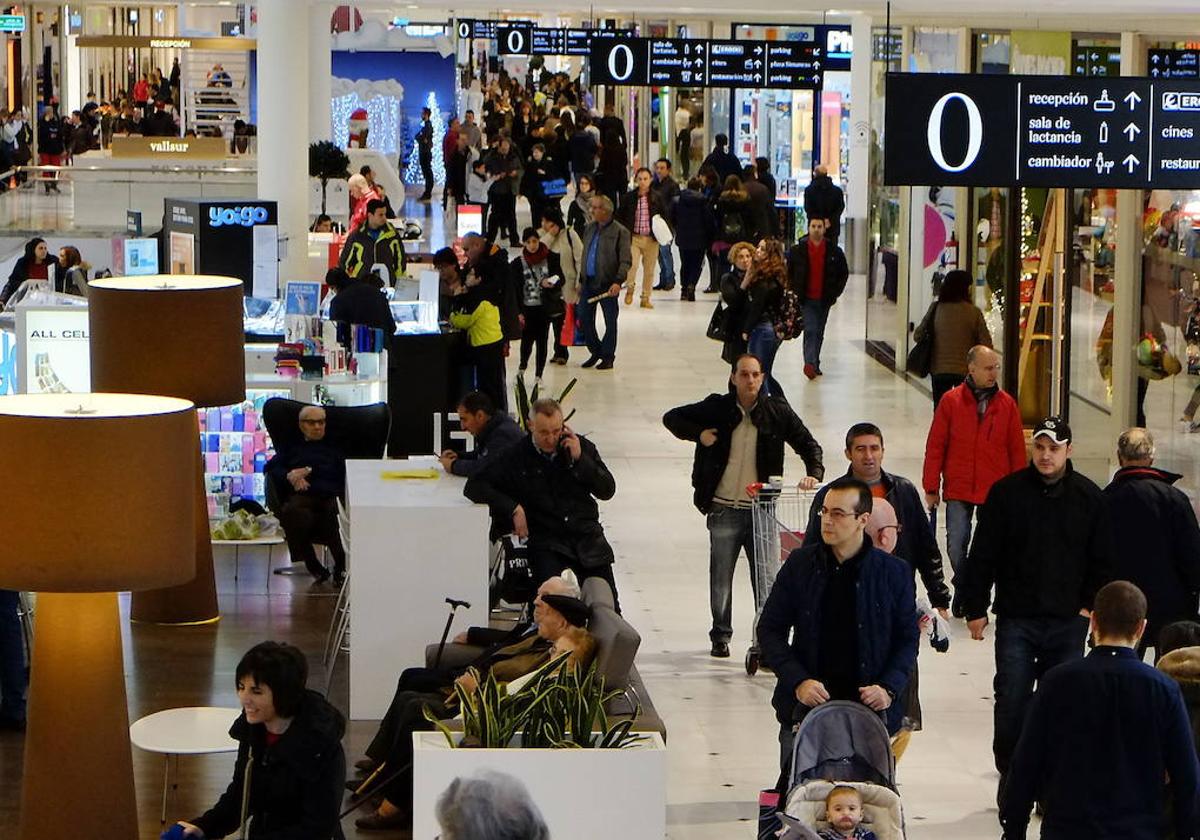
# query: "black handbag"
[920,355]
[717,328]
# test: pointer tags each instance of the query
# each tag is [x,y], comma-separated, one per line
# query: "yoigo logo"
[244,216]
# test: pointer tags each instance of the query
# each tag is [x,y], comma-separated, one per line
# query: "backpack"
[733,229]
[789,319]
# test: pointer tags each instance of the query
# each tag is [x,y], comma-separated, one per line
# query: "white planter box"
[582,794]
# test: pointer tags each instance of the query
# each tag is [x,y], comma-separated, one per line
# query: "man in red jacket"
[976,438]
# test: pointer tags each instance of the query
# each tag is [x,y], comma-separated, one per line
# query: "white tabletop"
[272,540]
[367,485]
[192,730]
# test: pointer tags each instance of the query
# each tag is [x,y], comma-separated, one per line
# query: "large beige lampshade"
[169,334]
[178,336]
[77,531]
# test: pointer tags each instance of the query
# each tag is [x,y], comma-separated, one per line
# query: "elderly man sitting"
[559,619]
[315,471]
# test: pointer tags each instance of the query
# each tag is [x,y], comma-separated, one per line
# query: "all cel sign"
[244,216]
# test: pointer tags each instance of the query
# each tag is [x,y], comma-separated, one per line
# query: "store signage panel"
[53,351]
[1097,61]
[703,62]
[12,23]
[514,40]
[166,42]
[190,148]
[1173,64]
[1042,131]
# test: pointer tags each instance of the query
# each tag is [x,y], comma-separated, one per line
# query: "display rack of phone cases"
[236,449]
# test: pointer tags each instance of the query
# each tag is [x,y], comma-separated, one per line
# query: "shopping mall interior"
[196,172]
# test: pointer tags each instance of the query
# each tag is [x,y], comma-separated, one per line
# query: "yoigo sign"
[244,216]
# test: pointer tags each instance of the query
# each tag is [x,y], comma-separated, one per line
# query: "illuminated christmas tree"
[412,174]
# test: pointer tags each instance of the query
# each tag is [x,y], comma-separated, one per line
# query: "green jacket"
[361,252]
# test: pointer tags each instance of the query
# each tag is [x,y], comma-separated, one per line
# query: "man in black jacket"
[763,202]
[1158,541]
[824,199]
[1107,744]
[739,437]
[358,302]
[915,543]
[494,432]
[1044,539]
[425,152]
[818,271]
[547,485]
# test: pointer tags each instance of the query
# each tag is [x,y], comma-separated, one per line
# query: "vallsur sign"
[707,62]
[1041,131]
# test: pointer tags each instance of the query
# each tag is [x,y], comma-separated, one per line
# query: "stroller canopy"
[843,741]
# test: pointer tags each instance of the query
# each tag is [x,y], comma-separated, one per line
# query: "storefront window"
[882,273]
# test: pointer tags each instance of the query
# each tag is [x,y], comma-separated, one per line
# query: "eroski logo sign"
[244,216]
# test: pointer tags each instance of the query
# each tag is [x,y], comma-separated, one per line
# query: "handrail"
[155,168]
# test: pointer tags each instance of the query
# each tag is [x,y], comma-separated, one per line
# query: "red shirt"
[39,271]
[816,269]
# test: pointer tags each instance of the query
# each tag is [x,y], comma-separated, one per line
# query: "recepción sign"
[1041,131]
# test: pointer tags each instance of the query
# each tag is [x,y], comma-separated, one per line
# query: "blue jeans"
[729,533]
[603,348]
[13,679]
[958,536]
[816,314]
[764,343]
[666,268]
[1026,648]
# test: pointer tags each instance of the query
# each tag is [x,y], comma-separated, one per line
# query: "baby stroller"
[842,743]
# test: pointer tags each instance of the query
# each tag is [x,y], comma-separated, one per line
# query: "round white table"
[193,730]
[237,545]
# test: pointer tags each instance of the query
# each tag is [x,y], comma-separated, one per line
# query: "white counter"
[413,543]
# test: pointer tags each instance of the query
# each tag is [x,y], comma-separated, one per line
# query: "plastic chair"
[337,639]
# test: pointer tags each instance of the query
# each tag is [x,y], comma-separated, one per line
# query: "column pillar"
[283,131]
[1127,276]
[858,186]
[320,73]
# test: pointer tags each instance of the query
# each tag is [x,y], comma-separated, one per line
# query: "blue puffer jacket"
[887,624]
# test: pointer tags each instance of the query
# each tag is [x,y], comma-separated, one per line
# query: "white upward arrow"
[1133,99]
[1132,131]
[1131,162]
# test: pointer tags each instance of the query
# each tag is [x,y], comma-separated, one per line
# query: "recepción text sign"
[1041,131]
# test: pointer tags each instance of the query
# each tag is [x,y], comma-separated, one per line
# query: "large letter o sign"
[974,132]
[626,56]
[516,41]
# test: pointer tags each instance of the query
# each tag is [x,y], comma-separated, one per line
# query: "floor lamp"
[75,535]
[178,336]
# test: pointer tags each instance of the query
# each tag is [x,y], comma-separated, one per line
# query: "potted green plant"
[327,162]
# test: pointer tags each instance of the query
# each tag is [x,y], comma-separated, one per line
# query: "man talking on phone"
[548,484]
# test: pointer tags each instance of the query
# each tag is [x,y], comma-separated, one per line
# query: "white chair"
[337,639]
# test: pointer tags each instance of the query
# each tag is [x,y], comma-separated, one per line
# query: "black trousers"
[502,217]
[425,681]
[488,373]
[547,563]
[427,174]
[691,266]
[943,382]
[409,717]
[536,333]
[308,519]
[561,351]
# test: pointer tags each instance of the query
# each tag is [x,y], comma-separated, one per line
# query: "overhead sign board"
[526,39]
[1041,131]
[1173,64]
[166,42]
[12,23]
[707,62]
[1096,61]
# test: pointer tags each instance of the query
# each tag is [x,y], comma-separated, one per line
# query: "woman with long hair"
[957,326]
[74,272]
[579,214]
[733,296]
[733,213]
[764,284]
[35,264]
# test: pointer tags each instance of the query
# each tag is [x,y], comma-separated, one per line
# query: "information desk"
[414,543]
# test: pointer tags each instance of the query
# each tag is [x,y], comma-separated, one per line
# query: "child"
[478,184]
[843,810]
[473,311]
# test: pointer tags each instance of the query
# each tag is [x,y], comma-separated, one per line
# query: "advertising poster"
[183,253]
[53,350]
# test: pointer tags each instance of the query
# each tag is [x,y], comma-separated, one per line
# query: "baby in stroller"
[842,783]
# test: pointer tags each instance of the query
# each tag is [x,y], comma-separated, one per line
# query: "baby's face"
[844,812]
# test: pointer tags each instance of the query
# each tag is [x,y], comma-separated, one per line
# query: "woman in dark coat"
[35,264]
[693,235]
[579,213]
[537,274]
[612,173]
[733,295]
[734,220]
[292,739]
[764,293]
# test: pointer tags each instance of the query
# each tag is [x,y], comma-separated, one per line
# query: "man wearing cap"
[1044,540]
[976,438]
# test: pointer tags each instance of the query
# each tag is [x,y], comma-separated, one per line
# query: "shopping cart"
[778,517]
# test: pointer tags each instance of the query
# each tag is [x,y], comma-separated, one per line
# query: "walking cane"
[454,605]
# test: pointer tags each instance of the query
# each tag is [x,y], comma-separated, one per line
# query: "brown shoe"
[629,296]
[646,304]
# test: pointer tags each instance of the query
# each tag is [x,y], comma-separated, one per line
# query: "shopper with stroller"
[848,609]
[739,437]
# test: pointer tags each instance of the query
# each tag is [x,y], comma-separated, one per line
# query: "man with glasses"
[848,609]
[314,475]
[739,437]
[915,543]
